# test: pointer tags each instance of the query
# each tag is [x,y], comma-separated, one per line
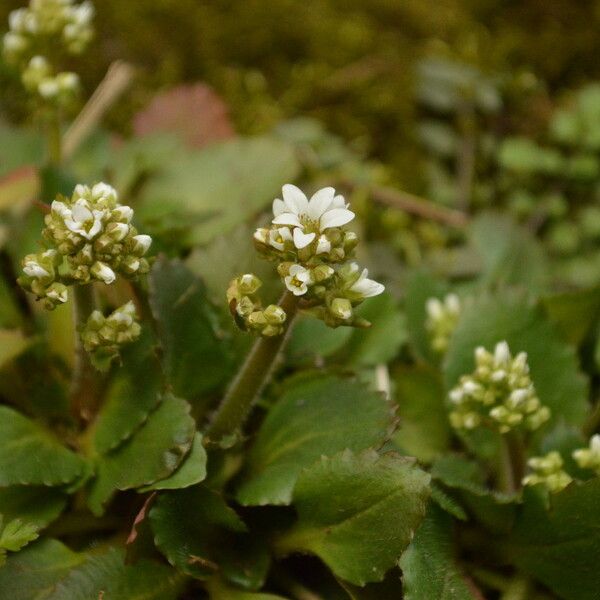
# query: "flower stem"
[251,379]
[84,382]
[511,463]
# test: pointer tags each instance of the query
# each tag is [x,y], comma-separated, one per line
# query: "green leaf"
[429,569]
[37,505]
[131,396]
[467,482]
[560,545]
[554,370]
[381,342]
[424,429]
[190,527]
[358,513]
[220,186]
[510,254]
[420,286]
[186,320]
[311,341]
[32,573]
[153,453]
[317,415]
[447,502]
[191,471]
[219,590]
[106,576]
[30,455]
[573,312]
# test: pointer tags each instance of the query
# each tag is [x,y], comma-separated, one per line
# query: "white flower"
[278,237]
[124,316]
[310,217]
[81,219]
[142,243]
[35,270]
[367,288]
[103,272]
[298,279]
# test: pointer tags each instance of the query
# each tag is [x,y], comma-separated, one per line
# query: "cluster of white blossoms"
[441,320]
[48,28]
[498,394]
[589,458]
[549,471]
[313,250]
[246,307]
[104,336]
[90,238]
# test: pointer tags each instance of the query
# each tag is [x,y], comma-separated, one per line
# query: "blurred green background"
[350,63]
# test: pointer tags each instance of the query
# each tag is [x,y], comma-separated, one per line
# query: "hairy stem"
[84,381]
[511,463]
[251,379]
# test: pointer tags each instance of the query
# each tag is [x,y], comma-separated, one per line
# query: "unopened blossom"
[55,25]
[548,471]
[103,337]
[589,458]
[95,235]
[40,273]
[498,394]
[442,317]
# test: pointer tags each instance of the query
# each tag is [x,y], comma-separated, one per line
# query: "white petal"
[367,288]
[301,240]
[278,207]
[295,289]
[287,219]
[35,270]
[295,199]
[296,269]
[339,202]
[336,218]
[81,212]
[320,202]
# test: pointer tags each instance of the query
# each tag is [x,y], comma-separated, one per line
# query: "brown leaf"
[195,112]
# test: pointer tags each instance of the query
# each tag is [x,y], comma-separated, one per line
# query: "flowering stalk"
[250,380]
[84,382]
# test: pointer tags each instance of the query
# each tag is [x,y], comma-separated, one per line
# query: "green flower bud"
[548,471]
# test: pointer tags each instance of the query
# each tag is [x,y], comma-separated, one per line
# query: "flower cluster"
[91,238]
[48,28]
[589,458]
[40,278]
[442,317]
[548,470]
[246,308]
[499,394]
[103,336]
[308,240]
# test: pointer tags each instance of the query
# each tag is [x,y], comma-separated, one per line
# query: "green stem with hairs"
[511,463]
[251,379]
[84,381]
